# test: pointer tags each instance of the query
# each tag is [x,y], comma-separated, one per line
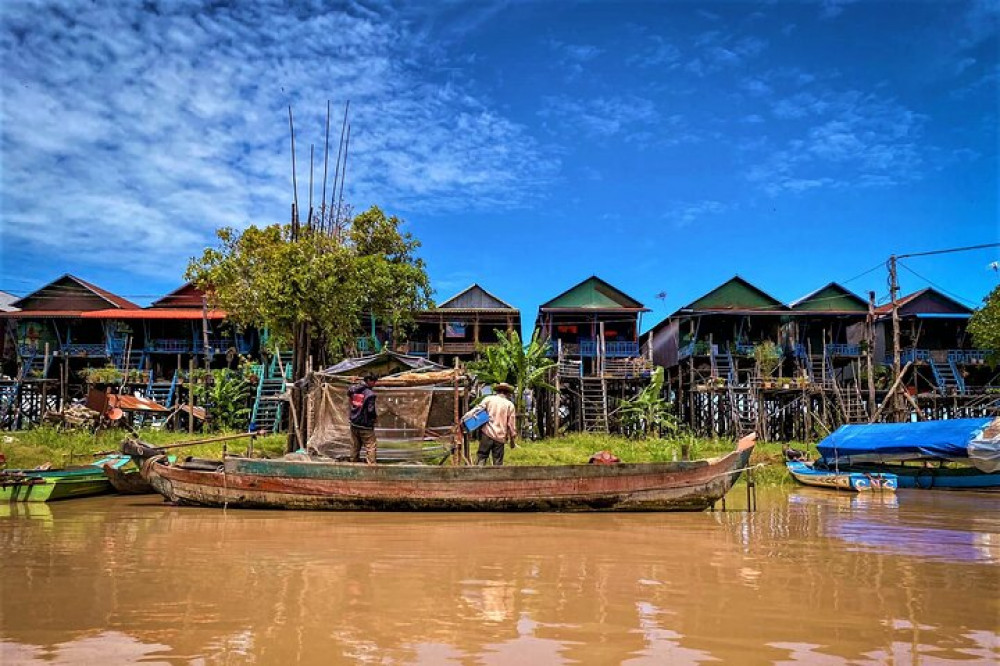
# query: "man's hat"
[503,387]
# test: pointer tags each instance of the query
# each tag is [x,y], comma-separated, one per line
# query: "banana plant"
[648,412]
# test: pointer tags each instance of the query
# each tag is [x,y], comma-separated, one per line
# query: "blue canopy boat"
[952,454]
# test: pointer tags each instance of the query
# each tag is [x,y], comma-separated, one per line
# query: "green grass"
[29,448]
[578,447]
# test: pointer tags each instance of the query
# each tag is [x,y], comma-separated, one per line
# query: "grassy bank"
[30,448]
[578,447]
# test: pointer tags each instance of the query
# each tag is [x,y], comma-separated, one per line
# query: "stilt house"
[460,326]
[593,330]
[934,340]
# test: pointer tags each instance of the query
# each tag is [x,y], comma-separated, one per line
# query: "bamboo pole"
[889,396]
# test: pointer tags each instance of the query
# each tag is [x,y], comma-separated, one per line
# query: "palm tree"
[522,366]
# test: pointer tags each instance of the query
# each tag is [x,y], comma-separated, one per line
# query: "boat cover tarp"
[899,441]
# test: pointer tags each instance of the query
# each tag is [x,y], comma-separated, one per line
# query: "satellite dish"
[115,413]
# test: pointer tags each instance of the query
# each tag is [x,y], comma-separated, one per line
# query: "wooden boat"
[806,474]
[320,484]
[127,481]
[956,454]
[34,485]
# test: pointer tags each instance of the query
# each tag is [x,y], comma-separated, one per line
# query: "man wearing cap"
[363,416]
[502,427]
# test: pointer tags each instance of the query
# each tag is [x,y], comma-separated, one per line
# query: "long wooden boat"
[808,475]
[311,484]
[954,454]
[33,485]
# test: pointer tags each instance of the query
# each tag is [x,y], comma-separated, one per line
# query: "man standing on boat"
[502,427]
[363,417]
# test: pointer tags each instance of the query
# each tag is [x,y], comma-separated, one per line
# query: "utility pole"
[896,352]
[870,337]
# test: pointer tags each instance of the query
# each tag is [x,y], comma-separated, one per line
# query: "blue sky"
[662,146]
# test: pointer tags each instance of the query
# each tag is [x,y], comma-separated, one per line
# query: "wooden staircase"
[723,367]
[594,401]
[819,370]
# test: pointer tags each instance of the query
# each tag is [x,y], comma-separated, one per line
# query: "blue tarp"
[924,439]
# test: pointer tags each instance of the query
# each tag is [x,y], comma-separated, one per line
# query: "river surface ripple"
[812,577]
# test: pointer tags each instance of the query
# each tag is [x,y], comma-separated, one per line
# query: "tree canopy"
[985,325]
[275,278]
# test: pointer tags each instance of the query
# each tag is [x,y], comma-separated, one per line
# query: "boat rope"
[737,471]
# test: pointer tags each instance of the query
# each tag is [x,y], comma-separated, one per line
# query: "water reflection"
[800,581]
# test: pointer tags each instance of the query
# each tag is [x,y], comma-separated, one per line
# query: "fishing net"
[415,420]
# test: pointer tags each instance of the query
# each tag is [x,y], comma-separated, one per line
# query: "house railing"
[416,348]
[621,349]
[843,350]
[743,349]
[168,346]
[969,356]
[456,348]
[221,345]
[74,349]
[910,356]
[587,348]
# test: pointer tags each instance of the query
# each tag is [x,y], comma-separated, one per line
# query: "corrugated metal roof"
[593,294]
[7,302]
[474,297]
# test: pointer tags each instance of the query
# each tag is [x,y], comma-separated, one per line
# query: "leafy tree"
[985,326]
[276,279]
[648,412]
[521,366]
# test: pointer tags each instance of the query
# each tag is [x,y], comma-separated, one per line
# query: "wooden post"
[64,383]
[556,418]
[896,351]
[191,395]
[204,332]
[870,337]
[456,431]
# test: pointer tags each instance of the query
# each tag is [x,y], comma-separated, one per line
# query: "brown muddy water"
[811,577]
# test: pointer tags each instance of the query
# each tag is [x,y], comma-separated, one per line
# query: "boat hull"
[285,484]
[57,484]
[840,480]
[127,482]
[935,478]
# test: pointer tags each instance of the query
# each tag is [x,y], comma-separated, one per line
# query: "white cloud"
[837,139]
[136,133]
[685,214]
[630,117]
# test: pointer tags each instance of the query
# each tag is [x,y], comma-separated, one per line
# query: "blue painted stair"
[947,377]
[267,409]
